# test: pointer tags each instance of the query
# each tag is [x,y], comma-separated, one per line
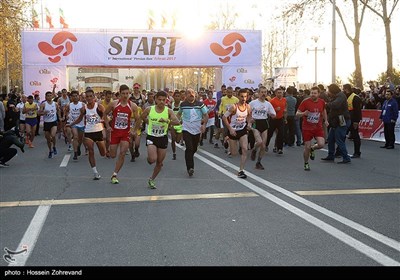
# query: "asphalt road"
[64,218]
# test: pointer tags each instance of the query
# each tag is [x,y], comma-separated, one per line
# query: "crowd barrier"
[371,127]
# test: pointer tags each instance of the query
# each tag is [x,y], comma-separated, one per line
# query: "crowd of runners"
[241,120]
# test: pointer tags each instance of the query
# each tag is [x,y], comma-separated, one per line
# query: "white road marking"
[65,160]
[345,238]
[31,235]
[371,233]
[125,199]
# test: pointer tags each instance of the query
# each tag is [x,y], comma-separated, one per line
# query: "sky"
[193,15]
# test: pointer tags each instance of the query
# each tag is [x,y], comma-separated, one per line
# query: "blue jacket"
[390,110]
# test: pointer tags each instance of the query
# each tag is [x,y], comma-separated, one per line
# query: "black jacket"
[338,106]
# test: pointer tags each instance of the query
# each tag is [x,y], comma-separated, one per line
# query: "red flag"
[35,21]
[48,18]
[62,19]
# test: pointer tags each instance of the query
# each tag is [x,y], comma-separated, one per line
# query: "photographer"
[7,139]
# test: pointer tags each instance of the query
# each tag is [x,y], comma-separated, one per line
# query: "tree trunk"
[358,78]
[389,70]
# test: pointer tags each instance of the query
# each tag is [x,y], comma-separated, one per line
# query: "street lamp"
[315,50]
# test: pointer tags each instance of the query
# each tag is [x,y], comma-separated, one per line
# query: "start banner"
[371,127]
[141,48]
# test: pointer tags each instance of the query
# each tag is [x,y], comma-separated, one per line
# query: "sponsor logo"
[44,71]
[241,70]
[232,79]
[61,46]
[9,255]
[35,83]
[231,46]
[249,81]
[54,80]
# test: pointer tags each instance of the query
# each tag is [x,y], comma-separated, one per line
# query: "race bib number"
[157,130]
[121,121]
[92,119]
[51,114]
[313,117]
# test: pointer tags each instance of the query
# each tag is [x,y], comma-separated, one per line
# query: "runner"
[93,113]
[50,110]
[72,113]
[107,134]
[176,130]
[260,110]
[158,117]
[237,130]
[313,108]
[22,127]
[63,102]
[210,103]
[194,119]
[227,102]
[120,127]
[139,100]
[31,112]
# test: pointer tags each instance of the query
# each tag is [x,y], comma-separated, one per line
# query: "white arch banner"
[57,49]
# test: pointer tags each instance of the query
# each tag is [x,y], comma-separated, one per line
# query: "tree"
[12,20]
[280,46]
[395,77]
[295,12]
[224,19]
[382,10]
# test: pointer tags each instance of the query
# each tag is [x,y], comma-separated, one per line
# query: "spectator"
[389,115]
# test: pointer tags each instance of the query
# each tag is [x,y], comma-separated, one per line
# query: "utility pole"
[315,50]
[334,42]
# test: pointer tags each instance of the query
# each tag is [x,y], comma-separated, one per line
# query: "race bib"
[50,115]
[92,119]
[313,117]
[121,121]
[157,130]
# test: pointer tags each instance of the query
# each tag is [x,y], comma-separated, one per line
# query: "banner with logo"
[371,127]
[244,77]
[130,48]
[285,76]
[39,79]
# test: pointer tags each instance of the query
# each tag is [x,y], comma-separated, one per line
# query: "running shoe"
[259,166]
[191,172]
[152,184]
[114,180]
[3,164]
[75,157]
[54,150]
[69,148]
[242,175]
[174,156]
[312,154]
[96,176]
[50,155]
[307,167]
